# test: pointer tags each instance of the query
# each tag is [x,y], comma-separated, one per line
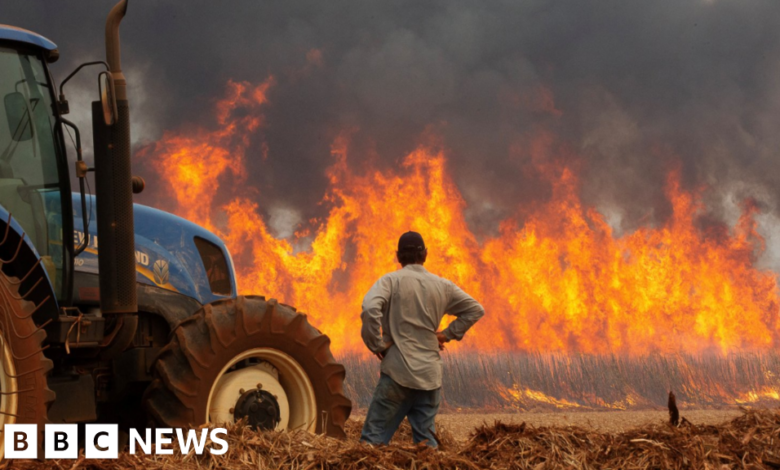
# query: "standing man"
[408,305]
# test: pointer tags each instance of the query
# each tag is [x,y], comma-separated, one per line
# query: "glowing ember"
[558,281]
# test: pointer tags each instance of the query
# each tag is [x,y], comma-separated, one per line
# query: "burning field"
[578,316]
[581,315]
[601,176]
[555,278]
[563,382]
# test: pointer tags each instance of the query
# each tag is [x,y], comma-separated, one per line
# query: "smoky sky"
[633,89]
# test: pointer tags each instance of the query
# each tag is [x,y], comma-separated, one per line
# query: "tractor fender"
[19,258]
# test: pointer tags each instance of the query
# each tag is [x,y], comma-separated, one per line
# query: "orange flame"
[560,281]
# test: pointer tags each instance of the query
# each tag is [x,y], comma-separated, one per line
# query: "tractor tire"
[24,394]
[205,348]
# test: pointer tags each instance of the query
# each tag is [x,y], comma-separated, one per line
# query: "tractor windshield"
[30,186]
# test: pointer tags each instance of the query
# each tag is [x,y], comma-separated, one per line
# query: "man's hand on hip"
[381,354]
[442,339]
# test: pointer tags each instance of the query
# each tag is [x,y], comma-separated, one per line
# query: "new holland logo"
[160,271]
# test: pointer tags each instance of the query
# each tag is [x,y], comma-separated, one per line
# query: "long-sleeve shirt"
[405,308]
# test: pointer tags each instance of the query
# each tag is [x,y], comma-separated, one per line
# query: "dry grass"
[569,438]
[462,424]
[551,382]
[748,441]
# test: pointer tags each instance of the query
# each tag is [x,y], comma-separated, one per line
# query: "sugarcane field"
[390,235]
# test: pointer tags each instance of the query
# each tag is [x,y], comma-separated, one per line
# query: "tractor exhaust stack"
[116,250]
[113,55]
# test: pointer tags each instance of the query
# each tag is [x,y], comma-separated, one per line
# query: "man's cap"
[411,241]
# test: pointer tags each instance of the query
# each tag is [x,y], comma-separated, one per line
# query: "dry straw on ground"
[749,441]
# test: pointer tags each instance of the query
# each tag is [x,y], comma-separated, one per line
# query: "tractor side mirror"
[17,114]
[107,98]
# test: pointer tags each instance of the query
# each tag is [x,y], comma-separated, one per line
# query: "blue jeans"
[391,403]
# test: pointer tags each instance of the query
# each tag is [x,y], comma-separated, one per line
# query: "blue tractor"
[116,312]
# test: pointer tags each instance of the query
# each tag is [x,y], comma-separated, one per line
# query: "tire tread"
[206,342]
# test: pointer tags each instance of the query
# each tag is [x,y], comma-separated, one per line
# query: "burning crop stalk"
[549,382]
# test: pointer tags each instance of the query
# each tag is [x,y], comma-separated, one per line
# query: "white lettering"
[192,439]
[78,238]
[145,444]
[101,441]
[160,438]
[217,440]
[142,258]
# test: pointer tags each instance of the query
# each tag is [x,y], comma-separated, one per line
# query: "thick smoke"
[630,90]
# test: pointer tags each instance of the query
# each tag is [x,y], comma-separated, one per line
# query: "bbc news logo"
[101,441]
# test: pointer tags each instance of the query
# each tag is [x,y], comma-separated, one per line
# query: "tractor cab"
[34,183]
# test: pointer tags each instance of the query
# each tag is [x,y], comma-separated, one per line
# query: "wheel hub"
[260,409]
[274,372]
